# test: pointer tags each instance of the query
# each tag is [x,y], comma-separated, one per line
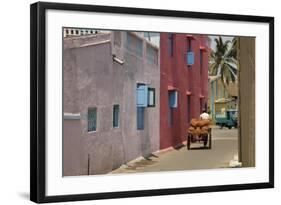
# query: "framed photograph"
[129,102]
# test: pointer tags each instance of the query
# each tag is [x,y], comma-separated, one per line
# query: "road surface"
[224,149]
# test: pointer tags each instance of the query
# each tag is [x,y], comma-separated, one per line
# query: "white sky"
[224,38]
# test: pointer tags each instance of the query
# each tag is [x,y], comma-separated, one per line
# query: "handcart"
[199,136]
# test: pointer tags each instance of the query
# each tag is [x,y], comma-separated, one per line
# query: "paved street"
[224,148]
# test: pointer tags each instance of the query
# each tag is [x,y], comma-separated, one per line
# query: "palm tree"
[223,61]
[234,48]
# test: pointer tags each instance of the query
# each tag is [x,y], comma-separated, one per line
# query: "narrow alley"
[224,149]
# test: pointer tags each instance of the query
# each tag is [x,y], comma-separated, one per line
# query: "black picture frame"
[38,101]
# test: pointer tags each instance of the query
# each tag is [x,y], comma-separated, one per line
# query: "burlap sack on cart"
[194,122]
[203,123]
[191,129]
[205,128]
[199,127]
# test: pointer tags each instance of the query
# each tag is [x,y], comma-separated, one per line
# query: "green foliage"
[223,60]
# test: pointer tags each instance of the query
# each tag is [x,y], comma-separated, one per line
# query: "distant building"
[111,101]
[220,97]
[183,84]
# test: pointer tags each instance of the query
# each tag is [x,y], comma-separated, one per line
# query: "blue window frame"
[173,103]
[142,92]
[190,58]
[140,118]
[116,115]
[173,99]
[92,119]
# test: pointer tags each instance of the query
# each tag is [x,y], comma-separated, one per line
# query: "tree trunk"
[224,85]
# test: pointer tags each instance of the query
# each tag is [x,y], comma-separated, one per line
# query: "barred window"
[92,119]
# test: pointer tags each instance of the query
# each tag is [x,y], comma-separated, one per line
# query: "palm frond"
[223,60]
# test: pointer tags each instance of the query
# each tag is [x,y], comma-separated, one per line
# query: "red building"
[183,84]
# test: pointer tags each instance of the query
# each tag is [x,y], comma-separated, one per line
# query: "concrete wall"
[176,73]
[93,79]
[72,148]
[247,101]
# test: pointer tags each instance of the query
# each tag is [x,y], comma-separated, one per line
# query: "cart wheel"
[205,140]
[192,138]
[229,127]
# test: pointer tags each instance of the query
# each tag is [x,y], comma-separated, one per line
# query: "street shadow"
[142,163]
[178,146]
[199,148]
[150,157]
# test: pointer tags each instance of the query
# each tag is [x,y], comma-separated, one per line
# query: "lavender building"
[106,121]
